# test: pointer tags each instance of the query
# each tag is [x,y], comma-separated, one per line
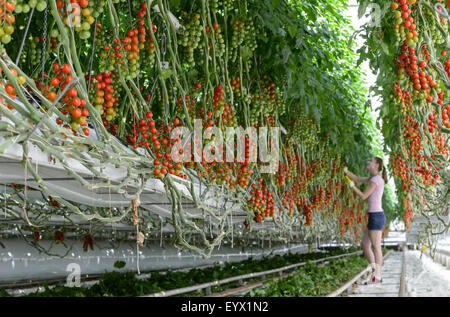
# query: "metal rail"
[208,285]
[402,289]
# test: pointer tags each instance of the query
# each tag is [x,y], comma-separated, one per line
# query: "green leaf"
[362,8]
[246,53]
[119,264]
[275,3]
[286,53]
[292,30]
[174,4]
[166,73]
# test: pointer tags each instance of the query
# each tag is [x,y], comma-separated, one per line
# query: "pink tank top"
[374,200]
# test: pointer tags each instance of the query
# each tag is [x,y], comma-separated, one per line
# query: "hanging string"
[25,149]
[137,250]
[5,200]
[90,74]
[44,43]
[231,220]
[160,242]
[139,236]
[24,36]
[210,227]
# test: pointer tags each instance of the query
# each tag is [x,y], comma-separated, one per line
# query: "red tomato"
[73,92]
[66,68]
[76,102]
[68,79]
[54,82]
[76,113]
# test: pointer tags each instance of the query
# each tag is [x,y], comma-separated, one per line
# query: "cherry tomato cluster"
[415,70]
[103,96]
[408,212]
[241,170]
[54,203]
[24,6]
[346,220]
[36,236]
[7,20]
[431,122]
[192,35]
[400,169]
[307,209]
[73,105]
[59,237]
[318,199]
[190,102]
[261,201]
[446,116]
[235,85]
[426,175]
[402,98]
[88,242]
[440,144]
[156,137]
[77,14]
[149,46]
[268,102]
[9,88]
[214,34]
[405,22]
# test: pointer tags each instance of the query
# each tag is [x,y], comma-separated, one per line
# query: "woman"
[371,243]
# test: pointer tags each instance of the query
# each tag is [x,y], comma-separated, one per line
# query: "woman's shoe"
[374,280]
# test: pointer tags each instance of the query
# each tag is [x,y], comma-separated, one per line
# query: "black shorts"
[377,220]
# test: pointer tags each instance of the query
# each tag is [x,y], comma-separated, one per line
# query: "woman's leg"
[367,248]
[375,239]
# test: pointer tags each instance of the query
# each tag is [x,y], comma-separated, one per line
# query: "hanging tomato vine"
[137,70]
[414,70]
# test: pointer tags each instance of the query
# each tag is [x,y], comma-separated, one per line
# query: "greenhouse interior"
[224,148]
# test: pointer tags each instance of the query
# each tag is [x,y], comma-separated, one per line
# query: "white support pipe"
[20,261]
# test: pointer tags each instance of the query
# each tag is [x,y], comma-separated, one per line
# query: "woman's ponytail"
[382,169]
[385,175]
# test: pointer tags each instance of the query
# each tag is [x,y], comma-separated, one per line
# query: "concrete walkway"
[391,273]
[424,277]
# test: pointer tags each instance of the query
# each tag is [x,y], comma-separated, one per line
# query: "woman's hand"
[345,170]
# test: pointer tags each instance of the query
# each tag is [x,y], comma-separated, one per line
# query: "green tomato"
[41,6]
[74,125]
[19,8]
[25,8]
[85,35]
[85,26]
[32,3]
[6,38]
[9,29]
[54,33]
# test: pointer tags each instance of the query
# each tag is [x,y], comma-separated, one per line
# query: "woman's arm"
[355,178]
[369,190]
